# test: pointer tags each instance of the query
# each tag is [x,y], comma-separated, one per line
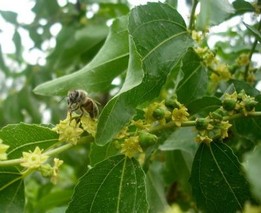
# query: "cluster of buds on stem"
[36,160]
[239,103]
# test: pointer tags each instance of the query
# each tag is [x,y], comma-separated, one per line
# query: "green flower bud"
[158,114]
[201,124]
[218,114]
[147,139]
[171,103]
[229,104]
[250,105]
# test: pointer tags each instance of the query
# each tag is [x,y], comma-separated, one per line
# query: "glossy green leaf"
[204,105]
[96,76]
[155,189]
[208,13]
[114,185]
[248,127]
[11,190]
[217,181]
[254,31]
[100,153]
[157,58]
[181,139]
[25,137]
[253,170]
[194,82]
[242,6]
[177,169]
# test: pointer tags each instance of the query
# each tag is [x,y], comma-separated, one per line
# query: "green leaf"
[96,76]
[181,139]
[242,85]
[18,46]
[249,128]
[114,185]
[155,50]
[254,31]
[242,6]
[217,182]
[9,16]
[253,170]
[70,49]
[155,189]
[11,190]
[24,137]
[195,79]
[100,153]
[54,199]
[177,169]
[204,105]
[119,110]
[213,12]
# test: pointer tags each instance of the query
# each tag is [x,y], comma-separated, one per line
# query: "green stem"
[53,152]
[172,125]
[192,14]
[251,54]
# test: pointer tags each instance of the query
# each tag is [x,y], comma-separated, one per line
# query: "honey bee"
[79,100]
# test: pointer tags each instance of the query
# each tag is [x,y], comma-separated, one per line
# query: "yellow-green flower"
[180,115]
[123,133]
[224,126]
[157,111]
[55,170]
[68,130]
[3,149]
[51,171]
[243,59]
[221,73]
[89,124]
[203,139]
[196,36]
[33,160]
[131,146]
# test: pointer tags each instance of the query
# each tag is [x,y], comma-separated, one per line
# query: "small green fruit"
[229,104]
[201,124]
[158,114]
[147,139]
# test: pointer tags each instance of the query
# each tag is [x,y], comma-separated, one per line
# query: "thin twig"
[251,54]
[192,14]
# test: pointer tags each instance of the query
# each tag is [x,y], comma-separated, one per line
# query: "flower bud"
[158,114]
[171,103]
[201,124]
[250,105]
[147,139]
[229,104]
[218,114]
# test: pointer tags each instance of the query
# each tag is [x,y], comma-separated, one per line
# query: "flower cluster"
[3,149]
[136,137]
[239,103]
[36,160]
[156,113]
[210,128]
[220,71]
[70,129]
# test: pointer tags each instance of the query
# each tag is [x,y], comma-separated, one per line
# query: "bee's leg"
[82,112]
